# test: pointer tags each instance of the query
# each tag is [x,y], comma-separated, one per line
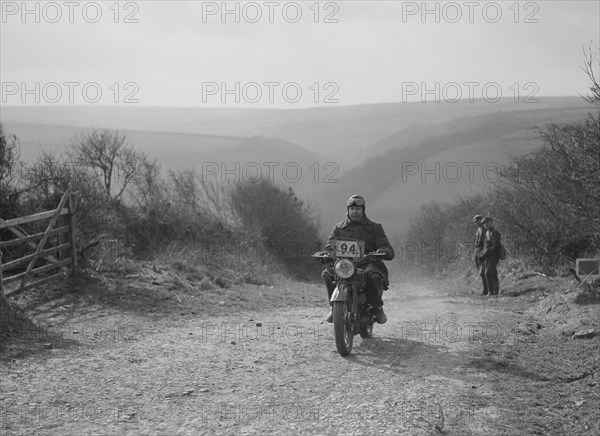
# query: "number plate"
[349,248]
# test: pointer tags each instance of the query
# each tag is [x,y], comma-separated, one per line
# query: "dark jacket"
[491,249]
[479,239]
[370,232]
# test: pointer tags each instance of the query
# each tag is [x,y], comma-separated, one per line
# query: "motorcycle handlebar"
[328,255]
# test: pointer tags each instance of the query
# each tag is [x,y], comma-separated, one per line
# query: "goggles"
[355,200]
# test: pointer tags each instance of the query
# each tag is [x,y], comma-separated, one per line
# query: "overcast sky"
[187,53]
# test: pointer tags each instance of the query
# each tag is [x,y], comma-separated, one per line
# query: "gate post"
[72,232]
[1,279]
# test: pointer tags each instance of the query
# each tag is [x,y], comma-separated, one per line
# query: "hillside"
[326,154]
[345,134]
[170,148]
[187,150]
[439,162]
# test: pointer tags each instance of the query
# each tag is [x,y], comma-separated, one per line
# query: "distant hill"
[340,150]
[218,158]
[438,163]
[170,148]
[342,133]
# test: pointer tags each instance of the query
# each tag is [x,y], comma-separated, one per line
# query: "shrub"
[284,223]
[546,205]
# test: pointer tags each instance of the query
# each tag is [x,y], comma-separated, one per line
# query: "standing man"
[491,256]
[478,248]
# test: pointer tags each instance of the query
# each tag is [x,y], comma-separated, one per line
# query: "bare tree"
[589,65]
[108,154]
[9,161]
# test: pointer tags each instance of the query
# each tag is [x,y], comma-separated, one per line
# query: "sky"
[288,55]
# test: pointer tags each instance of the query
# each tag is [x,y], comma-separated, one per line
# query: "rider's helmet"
[356,200]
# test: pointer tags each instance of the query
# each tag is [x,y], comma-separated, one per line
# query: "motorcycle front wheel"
[342,328]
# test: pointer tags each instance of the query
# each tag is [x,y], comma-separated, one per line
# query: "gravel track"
[262,373]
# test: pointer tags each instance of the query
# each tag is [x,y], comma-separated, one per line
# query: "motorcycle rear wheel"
[366,325]
[342,331]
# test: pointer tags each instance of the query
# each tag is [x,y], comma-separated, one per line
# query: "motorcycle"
[352,314]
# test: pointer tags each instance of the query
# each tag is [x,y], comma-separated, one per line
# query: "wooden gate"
[61,256]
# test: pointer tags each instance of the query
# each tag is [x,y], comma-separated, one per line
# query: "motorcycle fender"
[340,293]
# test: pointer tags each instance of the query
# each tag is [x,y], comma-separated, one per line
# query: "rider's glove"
[324,260]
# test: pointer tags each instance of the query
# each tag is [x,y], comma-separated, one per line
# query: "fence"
[61,226]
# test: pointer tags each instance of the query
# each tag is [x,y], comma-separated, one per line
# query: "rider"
[358,226]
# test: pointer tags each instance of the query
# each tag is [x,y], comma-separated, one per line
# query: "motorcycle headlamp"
[344,268]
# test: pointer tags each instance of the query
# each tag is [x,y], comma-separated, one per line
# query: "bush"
[9,171]
[181,208]
[546,205]
[277,217]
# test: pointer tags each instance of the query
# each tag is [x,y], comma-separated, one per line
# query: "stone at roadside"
[586,334]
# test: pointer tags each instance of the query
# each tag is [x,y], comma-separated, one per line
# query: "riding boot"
[376,282]
[377,300]
[330,286]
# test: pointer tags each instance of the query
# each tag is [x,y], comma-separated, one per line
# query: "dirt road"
[268,372]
